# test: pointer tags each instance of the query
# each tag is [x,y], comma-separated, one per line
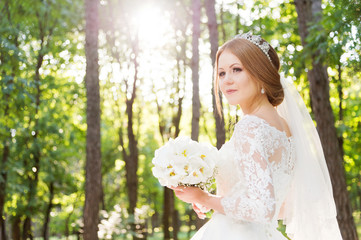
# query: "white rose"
[184,161]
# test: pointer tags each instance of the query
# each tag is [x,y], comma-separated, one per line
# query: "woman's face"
[234,81]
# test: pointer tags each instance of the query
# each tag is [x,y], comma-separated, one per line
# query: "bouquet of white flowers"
[184,162]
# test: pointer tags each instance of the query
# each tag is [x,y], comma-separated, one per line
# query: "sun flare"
[153,26]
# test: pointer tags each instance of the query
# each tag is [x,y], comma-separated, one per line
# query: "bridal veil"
[309,209]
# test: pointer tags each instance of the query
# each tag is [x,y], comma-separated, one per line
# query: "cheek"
[221,86]
[244,84]
[248,89]
[248,86]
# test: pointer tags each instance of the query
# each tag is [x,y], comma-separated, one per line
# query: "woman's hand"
[197,195]
[190,194]
[200,210]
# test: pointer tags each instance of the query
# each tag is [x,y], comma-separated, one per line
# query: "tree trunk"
[175,220]
[15,228]
[27,234]
[170,214]
[224,34]
[359,195]
[196,104]
[131,164]
[196,8]
[130,152]
[33,177]
[7,137]
[238,19]
[4,159]
[48,210]
[340,108]
[166,212]
[213,37]
[308,13]
[93,181]
[3,167]
[67,226]
[33,181]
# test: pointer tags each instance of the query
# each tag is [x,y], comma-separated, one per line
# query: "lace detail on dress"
[260,150]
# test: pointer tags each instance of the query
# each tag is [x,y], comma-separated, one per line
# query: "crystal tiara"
[256,40]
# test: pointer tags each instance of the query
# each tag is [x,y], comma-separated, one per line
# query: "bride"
[273,166]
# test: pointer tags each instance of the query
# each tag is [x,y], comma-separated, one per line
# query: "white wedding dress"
[254,176]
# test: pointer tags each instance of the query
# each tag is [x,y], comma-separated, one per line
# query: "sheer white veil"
[309,209]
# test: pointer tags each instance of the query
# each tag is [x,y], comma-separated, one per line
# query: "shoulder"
[250,136]
[249,125]
[256,132]
[250,130]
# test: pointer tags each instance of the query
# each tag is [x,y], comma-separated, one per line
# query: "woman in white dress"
[273,166]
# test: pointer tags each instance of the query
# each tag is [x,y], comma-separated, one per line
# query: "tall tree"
[128,55]
[132,159]
[93,181]
[9,70]
[222,23]
[48,210]
[213,37]
[309,13]
[238,18]
[26,116]
[166,130]
[196,104]
[170,112]
[44,33]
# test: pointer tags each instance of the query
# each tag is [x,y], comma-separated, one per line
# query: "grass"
[184,234]
[154,236]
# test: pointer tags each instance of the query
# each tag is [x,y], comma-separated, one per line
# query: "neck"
[260,105]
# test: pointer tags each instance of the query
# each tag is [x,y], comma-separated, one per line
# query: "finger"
[201,215]
[178,194]
[178,188]
[195,207]
[197,210]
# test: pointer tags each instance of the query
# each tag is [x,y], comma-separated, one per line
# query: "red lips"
[230,91]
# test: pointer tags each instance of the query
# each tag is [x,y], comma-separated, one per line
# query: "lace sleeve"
[252,198]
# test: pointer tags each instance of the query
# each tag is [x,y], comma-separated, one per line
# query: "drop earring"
[262,90]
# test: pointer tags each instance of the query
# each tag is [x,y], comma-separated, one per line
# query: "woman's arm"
[252,198]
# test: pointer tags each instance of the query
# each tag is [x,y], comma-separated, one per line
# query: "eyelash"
[236,69]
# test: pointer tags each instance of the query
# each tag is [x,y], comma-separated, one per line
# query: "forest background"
[90,89]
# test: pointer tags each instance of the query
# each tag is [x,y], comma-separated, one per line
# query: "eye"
[221,74]
[237,69]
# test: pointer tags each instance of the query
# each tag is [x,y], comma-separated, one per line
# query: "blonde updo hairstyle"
[263,71]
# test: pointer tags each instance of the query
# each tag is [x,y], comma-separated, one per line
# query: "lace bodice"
[255,171]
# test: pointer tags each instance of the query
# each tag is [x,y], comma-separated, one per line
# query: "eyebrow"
[231,65]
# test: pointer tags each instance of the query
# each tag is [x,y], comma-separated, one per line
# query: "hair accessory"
[256,40]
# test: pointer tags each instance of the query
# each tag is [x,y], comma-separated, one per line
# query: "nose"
[228,79]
